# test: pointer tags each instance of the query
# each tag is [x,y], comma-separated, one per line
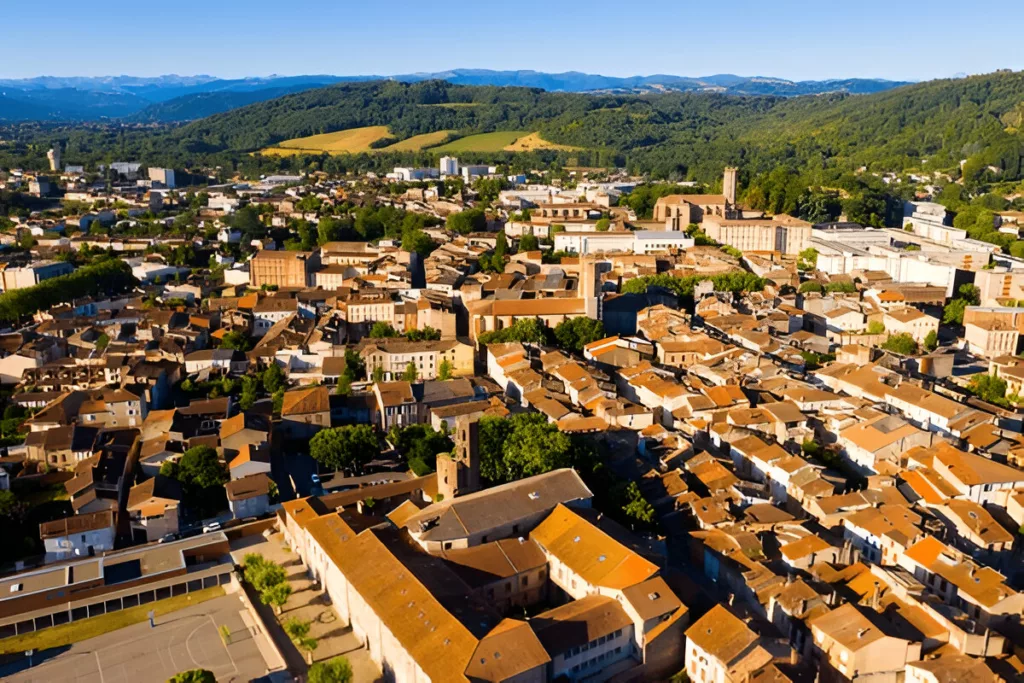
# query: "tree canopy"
[346,448]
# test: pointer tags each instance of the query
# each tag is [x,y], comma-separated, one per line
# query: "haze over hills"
[183,98]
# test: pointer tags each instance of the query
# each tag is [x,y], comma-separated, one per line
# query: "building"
[54,157]
[32,274]
[720,648]
[78,536]
[283,268]
[162,176]
[782,234]
[910,321]
[511,509]
[249,496]
[850,645]
[393,356]
[39,598]
[304,412]
[449,166]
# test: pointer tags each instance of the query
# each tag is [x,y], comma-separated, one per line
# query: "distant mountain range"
[172,98]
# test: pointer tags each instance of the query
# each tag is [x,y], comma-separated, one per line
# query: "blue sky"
[896,39]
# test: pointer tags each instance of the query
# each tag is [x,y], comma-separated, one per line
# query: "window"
[526,581]
[508,588]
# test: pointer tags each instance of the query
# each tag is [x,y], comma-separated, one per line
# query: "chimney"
[732,599]
[794,656]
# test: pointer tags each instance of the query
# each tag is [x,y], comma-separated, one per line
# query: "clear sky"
[798,39]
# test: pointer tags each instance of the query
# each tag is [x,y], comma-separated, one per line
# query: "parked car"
[167,538]
[316,479]
[212,526]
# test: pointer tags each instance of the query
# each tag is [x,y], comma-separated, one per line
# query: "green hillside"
[926,126]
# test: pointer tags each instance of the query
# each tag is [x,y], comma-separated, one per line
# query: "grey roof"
[498,506]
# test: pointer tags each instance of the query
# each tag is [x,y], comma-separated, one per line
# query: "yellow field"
[358,140]
[351,141]
[533,141]
[417,142]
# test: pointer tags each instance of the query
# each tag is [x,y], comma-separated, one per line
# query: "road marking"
[99,666]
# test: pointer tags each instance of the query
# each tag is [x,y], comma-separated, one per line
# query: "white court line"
[188,646]
[99,667]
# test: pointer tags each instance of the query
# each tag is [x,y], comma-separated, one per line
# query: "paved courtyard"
[307,603]
[186,639]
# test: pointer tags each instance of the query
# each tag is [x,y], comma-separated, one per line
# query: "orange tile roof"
[589,552]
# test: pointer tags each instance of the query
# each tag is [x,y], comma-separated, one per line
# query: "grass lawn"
[77,631]
[483,142]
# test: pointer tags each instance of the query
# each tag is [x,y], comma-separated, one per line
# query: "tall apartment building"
[283,268]
[449,166]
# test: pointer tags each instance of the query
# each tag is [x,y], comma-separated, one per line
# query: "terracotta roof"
[510,649]
[579,622]
[306,401]
[248,487]
[589,552]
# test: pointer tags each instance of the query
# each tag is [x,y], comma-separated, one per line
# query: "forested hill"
[944,121]
[925,126]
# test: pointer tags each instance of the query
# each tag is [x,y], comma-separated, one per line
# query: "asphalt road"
[187,639]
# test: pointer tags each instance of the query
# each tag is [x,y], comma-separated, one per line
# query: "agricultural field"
[482,142]
[534,141]
[417,142]
[351,141]
[358,140]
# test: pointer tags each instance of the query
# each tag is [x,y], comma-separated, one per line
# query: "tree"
[603,225]
[876,327]
[345,448]
[521,446]
[444,371]
[637,508]
[991,388]
[202,477]
[201,467]
[901,343]
[378,373]
[807,259]
[419,242]
[12,510]
[382,330]
[298,631]
[953,313]
[102,341]
[524,330]
[410,372]
[273,378]
[334,670]
[248,396]
[931,341]
[575,333]
[276,595]
[420,444]
[528,242]
[328,229]
[841,286]
[193,676]
[236,340]
[467,221]
[811,286]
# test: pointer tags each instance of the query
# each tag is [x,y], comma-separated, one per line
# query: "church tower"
[458,473]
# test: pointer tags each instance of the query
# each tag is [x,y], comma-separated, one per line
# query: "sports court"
[187,639]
